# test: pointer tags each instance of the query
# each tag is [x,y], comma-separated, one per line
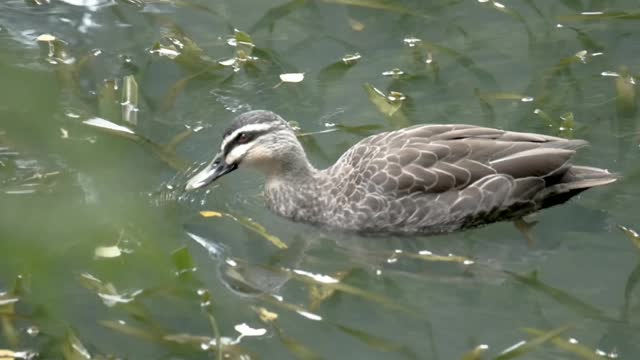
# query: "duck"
[424,179]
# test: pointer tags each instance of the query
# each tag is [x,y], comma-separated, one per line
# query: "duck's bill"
[210,173]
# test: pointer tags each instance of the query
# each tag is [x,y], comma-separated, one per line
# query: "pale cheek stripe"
[237,153]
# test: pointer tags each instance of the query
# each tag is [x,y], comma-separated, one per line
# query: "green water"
[110,261]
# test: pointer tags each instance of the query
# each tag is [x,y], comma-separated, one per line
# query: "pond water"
[106,107]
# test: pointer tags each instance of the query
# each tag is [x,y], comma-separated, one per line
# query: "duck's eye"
[243,138]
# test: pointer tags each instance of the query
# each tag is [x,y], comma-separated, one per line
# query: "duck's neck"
[293,188]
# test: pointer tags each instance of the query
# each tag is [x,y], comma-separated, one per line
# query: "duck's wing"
[441,158]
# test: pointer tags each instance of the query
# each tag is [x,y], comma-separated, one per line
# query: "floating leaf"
[73,349]
[632,235]
[208,214]
[389,105]
[488,96]
[107,251]
[525,347]
[318,294]
[246,330]
[571,346]
[259,229]
[265,315]
[429,256]
[601,15]
[111,127]
[248,224]
[292,77]
[476,354]
[380,100]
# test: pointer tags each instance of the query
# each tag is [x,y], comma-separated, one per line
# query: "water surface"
[103,257]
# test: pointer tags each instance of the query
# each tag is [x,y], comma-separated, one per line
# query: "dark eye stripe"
[251,135]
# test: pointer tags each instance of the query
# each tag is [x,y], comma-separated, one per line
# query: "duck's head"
[259,139]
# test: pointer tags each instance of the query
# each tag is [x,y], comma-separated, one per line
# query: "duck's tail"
[575,180]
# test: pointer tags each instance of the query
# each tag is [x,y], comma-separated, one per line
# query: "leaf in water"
[465,61]
[250,279]
[176,89]
[337,70]
[297,349]
[625,92]
[601,15]
[379,99]
[249,224]
[525,347]
[570,345]
[126,329]
[216,333]
[377,5]
[265,315]
[513,13]
[632,235]
[292,77]
[259,229]
[549,121]
[319,293]
[632,282]
[389,105]
[476,354]
[489,96]
[178,139]
[356,25]
[208,214]
[362,130]
[107,251]
[561,296]
[110,296]
[36,3]
[170,157]
[183,262]
[21,285]
[271,17]
[56,49]
[110,126]
[129,100]
[429,256]
[378,343]
[352,290]
[73,349]
[108,106]
[8,302]
[244,46]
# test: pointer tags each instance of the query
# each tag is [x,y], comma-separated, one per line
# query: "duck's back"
[440,178]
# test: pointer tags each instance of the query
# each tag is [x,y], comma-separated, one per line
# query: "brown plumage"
[422,179]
